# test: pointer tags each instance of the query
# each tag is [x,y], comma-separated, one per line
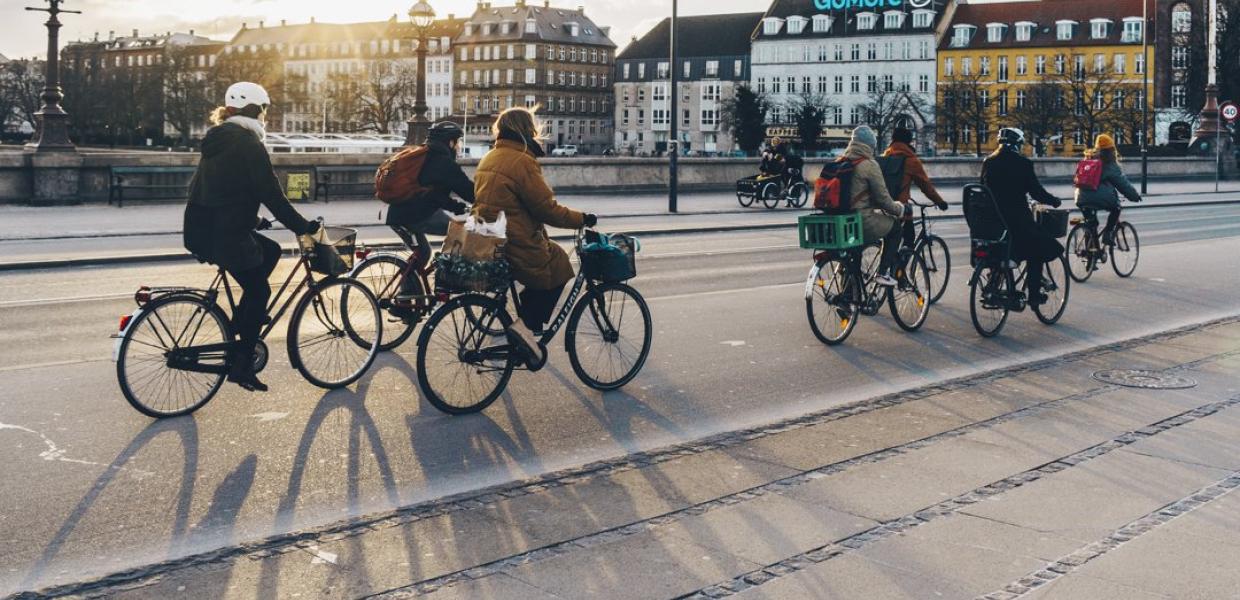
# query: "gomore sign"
[825,5]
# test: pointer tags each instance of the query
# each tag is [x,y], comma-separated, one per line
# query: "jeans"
[537,306]
[414,237]
[891,246]
[909,233]
[255,293]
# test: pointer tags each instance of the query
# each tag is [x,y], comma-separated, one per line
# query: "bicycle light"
[362,253]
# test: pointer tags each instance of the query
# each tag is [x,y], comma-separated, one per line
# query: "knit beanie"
[864,135]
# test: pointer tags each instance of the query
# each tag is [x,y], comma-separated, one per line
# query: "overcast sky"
[24,34]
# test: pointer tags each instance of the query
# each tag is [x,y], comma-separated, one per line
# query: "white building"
[844,55]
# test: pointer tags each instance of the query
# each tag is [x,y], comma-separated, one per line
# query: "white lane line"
[54,453]
[775,286]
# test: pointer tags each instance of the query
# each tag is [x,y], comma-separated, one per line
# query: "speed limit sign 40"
[1229,111]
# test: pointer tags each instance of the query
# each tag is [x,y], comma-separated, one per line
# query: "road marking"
[55,453]
[269,416]
[774,286]
[733,343]
[321,556]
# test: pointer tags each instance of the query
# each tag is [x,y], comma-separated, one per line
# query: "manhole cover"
[1153,380]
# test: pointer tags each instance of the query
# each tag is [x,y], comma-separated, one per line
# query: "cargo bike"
[770,189]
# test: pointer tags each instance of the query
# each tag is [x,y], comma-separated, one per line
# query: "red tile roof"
[1044,13]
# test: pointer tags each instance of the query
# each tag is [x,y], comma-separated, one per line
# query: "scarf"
[531,145]
[254,125]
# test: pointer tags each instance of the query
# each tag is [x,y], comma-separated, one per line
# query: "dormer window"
[573,29]
[893,19]
[531,26]
[506,28]
[1064,30]
[796,25]
[822,23]
[772,25]
[922,18]
[1024,30]
[1132,30]
[469,29]
[486,29]
[994,32]
[1099,29]
[961,34]
[866,21]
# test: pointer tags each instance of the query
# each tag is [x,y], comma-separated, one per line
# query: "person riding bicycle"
[880,214]
[1011,179]
[509,180]
[234,177]
[427,213]
[914,172]
[1113,183]
[773,163]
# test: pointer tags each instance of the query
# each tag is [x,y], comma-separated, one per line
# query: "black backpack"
[893,174]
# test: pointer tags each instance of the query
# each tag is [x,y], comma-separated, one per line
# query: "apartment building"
[536,55]
[1179,73]
[713,58]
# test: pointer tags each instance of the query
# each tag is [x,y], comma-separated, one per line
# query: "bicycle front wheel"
[908,300]
[333,336]
[381,274]
[990,294]
[462,366]
[745,200]
[160,373]
[832,301]
[770,195]
[1081,259]
[798,195]
[608,337]
[1125,249]
[1055,284]
[938,262]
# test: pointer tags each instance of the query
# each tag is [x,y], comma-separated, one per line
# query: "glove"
[313,227]
[460,208]
[263,224]
[590,220]
[942,204]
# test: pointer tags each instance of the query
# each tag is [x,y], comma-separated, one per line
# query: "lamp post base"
[1208,124]
[52,134]
[418,128]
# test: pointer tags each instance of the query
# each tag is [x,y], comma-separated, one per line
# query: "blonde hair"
[223,113]
[521,122]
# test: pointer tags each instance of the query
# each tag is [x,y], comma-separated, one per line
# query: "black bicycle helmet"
[445,131]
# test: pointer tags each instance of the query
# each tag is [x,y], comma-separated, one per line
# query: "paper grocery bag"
[454,242]
[482,247]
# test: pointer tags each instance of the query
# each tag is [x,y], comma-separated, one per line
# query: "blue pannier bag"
[613,258]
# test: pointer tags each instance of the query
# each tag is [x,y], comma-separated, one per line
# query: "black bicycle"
[172,353]
[995,290]
[465,360]
[1087,248]
[842,286]
[934,255]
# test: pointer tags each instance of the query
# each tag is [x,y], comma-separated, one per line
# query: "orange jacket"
[914,172]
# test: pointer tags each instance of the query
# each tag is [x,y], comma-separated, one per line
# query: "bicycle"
[841,286]
[172,353]
[465,361]
[770,189]
[934,254]
[1086,247]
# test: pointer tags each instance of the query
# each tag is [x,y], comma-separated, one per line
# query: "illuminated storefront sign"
[831,5]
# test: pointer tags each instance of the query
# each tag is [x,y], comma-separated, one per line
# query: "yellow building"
[1061,70]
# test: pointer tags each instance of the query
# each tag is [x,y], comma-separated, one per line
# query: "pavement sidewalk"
[1047,480]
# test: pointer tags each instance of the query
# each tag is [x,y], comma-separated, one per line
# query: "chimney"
[135,33]
[581,10]
[260,24]
[244,26]
[283,22]
[451,16]
[111,35]
[96,36]
[312,20]
[546,3]
[191,32]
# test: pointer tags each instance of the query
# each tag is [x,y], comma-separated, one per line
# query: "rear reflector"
[125,322]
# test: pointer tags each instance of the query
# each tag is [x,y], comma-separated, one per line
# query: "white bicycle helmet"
[245,93]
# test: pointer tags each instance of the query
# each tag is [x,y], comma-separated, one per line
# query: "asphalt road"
[92,487]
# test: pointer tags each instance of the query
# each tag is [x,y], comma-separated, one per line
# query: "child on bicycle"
[1112,184]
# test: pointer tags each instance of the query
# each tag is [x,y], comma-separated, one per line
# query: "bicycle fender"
[119,337]
[810,281]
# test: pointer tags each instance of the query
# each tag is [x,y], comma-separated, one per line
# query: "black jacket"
[234,177]
[1011,179]
[444,177]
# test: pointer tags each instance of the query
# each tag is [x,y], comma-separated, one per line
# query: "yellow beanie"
[1104,142]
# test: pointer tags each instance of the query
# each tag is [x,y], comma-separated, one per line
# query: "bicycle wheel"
[380,274]
[334,333]
[938,261]
[1055,284]
[608,336]
[832,300]
[746,200]
[798,195]
[1125,249]
[989,293]
[1081,260]
[144,364]
[461,368]
[908,300]
[769,194]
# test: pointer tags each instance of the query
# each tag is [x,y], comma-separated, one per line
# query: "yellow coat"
[509,179]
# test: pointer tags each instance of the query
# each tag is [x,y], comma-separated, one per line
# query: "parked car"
[568,150]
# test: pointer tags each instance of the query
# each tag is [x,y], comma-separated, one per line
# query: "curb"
[183,256]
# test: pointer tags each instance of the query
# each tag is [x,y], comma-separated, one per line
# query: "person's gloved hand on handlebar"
[591,220]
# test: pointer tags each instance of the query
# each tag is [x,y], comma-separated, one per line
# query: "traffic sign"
[1229,111]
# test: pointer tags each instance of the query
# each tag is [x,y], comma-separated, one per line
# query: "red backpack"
[396,181]
[1088,174]
[833,190]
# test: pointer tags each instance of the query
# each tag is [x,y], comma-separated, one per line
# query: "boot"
[241,372]
[535,354]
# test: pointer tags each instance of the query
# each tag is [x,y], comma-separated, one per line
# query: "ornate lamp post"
[53,121]
[423,17]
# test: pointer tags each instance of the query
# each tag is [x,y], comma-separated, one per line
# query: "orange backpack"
[396,181]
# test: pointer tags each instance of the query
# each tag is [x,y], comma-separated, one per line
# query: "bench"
[344,181]
[158,183]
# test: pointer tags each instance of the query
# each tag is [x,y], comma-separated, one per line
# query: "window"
[1001,103]
[1040,65]
[838,88]
[961,34]
[822,85]
[893,19]
[1117,63]
[871,83]
[1061,64]
[923,84]
[1003,68]
[1179,96]
[771,25]
[531,76]
[1020,99]
[822,53]
[796,24]
[1064,30]
[949,67]
[839,52]
[1099,29]
[994,32]
[531,26]
[512,76]
[531,51]
[806,86]
[761,85]
[1079,66]
[1100,100]
[665,70]
[1118,102]
[922,18]
[871,51]
[1132,30]
[1181,18]
[625,70]
[1022,65]
[888,83]
[856,52]
[854,84]
[1138,63]
[712,68]
[777,85]
[984,65]
[641,70]
[966,66]
[1024,30]
[822,23]
[738,68]
[854,115]
[686,70]
[837,115]
[866,20]
[710,118]
[1179,57]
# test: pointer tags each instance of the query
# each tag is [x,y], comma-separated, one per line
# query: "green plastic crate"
[830,232]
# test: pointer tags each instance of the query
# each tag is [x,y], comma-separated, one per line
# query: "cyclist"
[1113,183]
[510,180]
[914,172]
[221,220]
[880,214]
[773,158]
[1011,179]
[428,213]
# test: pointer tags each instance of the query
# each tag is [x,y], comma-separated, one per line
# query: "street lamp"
[423,17]
[53,133]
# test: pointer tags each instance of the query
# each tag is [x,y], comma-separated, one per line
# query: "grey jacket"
[1106,197]
[869,193]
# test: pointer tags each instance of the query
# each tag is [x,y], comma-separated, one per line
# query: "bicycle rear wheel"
[1055,284]
[832,301]
[1081,259]
[745,200]
[990,291]
[1125,249]
[798,194]
[938,261]
[608,337]
[908,300]
[156,339]
[381,274]
[334,333]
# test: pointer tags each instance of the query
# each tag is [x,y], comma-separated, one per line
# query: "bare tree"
[388,88]
[23,85]
[1039,111]
[808,112]
[744,118]
[964,108]
[343,96]
[186,102]
[887,107]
